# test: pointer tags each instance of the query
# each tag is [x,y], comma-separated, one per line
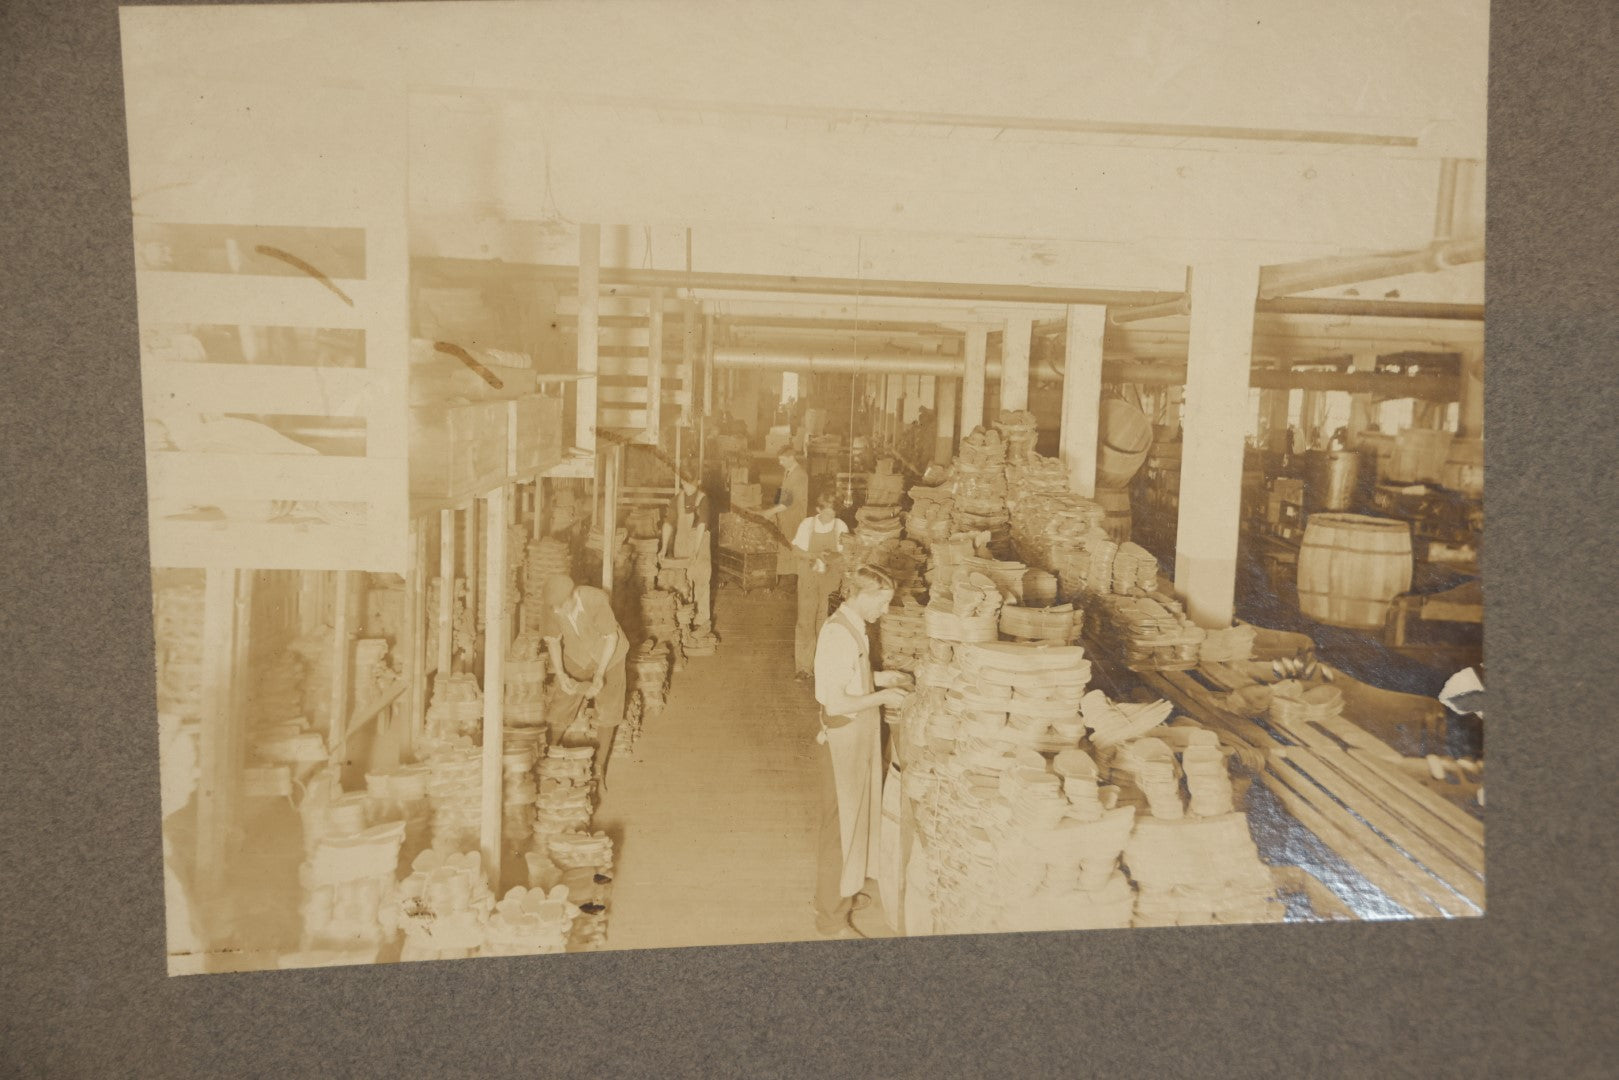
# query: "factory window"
[789,387]
[1395,416]
[1255,415]
[1338,412]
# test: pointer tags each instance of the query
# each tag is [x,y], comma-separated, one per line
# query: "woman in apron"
[851,731]
[818,543]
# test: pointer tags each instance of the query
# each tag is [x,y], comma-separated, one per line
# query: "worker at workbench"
[588,649]
[851,730]
[790,509]
[687,540]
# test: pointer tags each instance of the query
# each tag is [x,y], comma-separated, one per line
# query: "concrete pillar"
[1082,395]
[972,382]
[585,390]
[1015,364]
[945,397]
[1219,357]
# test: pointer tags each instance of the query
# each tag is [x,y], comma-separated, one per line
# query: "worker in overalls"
[790,509]
[852,768]
[818,543]
[687,543]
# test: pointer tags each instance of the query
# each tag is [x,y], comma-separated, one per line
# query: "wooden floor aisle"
[715,813]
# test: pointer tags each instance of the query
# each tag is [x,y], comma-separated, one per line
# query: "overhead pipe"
[863,287]
[1279,281]
[1180,306]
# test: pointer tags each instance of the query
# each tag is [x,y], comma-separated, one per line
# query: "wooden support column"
[945,396]
[494,686]
[1470,414]
[537,507]
[972,381]
[708,364]
[1082,395]
[893,407]
[469,557]
[445,660]
[586,389]
[654,369]
[912,401]
[688,360]
[342,669]
[1360,405]
[1015,340]
[216,785]
[415,643]
[1219,356]
[610,469]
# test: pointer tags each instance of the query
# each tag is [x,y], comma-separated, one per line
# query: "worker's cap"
[558,587]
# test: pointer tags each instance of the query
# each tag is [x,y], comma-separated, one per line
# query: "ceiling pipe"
[1180,306]
[861,287]
[1279,281]
[1372,309]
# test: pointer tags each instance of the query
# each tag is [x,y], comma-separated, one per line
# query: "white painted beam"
[1082,395]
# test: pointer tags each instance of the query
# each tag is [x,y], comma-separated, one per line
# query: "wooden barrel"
[1115,504]
[1126,436]
[1351,567]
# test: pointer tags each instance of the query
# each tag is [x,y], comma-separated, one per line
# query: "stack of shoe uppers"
[929,519]
[980,486]
[544,557]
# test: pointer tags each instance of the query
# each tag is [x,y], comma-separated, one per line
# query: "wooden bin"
[1116,517]
[458,451]
[1352,567]
[534,435]
[1126,436]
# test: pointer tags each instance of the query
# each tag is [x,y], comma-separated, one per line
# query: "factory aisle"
[715,814]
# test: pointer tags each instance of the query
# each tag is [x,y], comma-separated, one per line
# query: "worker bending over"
[587,649]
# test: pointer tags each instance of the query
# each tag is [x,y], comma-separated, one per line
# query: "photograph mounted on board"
[850,476]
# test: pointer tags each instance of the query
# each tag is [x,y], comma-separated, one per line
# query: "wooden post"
[415,644]
[446,595]
[342,667]
[688,360]
[945,396]
[1360,405]
[494,685]
[1082,395]
[972,382]
[536,506]
[654,369]
[469,556]
[1470,415]
[1015,340]
[708,364]
[216,784]
[586,389]
[609,513]
[1219,357]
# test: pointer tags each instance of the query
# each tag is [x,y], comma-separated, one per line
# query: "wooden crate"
[534,435]
[458,451]
[747,570]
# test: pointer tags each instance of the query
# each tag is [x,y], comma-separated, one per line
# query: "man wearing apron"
[851,731]
[587,648]
[818,542]
[686,541]
[791,508]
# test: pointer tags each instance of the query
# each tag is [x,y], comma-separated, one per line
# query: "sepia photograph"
[647,475]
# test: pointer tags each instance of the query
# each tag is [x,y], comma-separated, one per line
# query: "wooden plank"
[1396,798]
[1458,819]
[610,474]
[176,297]
[494,685]
[207,479]
[1431,869]
[258,388]
[277,546]
[1348,843]
[469,558]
